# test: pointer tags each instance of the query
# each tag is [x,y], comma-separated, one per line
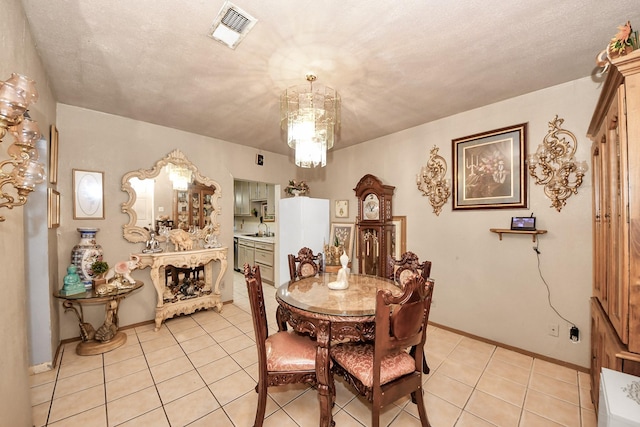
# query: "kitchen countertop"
[270,239]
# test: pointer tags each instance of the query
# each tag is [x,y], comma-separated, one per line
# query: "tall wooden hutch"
[374,225]
[615,304]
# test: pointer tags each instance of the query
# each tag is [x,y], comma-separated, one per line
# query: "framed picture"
[88,194]
[53,208]
[265,216]
[345,234]
[53,155]
[489,169]
[399,236]
[342,209]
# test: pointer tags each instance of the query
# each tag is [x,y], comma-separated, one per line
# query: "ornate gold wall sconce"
[554,165]
[431,181]
[21,172]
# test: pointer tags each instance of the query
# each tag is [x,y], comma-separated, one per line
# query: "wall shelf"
[533,233]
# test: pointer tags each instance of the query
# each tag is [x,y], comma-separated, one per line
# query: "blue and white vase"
[85,253]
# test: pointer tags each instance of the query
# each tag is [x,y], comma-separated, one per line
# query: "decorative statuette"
[343,274]
[72,283]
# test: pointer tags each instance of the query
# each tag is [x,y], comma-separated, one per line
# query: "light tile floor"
[200,370]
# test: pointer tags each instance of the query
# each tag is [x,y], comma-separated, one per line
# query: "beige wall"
[485,286]
[18,55]
[115,145]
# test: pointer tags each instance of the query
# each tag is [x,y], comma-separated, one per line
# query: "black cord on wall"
[537,251]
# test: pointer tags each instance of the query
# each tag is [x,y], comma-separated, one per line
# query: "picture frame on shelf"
[53,155]
[53,208]
[88,194]
[342,209]
[489,169]
[345,233]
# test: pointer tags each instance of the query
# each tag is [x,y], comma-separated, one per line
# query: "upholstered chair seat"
[357,359]
[289,351]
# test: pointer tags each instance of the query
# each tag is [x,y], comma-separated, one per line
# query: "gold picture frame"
[345,233]
[399,236]
[489,170]
[53,208]
[53,155]
[88,194]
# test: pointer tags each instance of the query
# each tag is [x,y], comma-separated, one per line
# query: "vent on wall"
[231,25]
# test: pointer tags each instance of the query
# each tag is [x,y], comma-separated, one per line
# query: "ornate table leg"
[323,373]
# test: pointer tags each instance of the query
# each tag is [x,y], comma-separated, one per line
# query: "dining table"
[309,306]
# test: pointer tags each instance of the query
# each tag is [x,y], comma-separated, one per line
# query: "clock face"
[371,206]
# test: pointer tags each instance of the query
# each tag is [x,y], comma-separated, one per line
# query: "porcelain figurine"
[72,283]
[343,274]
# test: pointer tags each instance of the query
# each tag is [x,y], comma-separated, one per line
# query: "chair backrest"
[401,321]
[408,265]
[258,310]
[305,264]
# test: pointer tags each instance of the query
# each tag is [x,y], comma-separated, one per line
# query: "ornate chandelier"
[310,121]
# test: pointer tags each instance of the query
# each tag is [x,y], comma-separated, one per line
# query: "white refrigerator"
[302,221]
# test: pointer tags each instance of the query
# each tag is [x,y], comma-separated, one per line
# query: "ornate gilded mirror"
[172,194]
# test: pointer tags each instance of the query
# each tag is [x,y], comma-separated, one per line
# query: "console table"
[106,337]
[169,303]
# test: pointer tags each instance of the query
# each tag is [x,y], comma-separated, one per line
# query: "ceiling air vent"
[231,25]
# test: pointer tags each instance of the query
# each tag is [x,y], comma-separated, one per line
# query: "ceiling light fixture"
[310,121]
[231,25]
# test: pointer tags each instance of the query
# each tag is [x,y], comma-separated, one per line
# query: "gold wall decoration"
[431,181]
[554,166]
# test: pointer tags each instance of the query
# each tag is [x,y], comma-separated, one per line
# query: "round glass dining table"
[309,306]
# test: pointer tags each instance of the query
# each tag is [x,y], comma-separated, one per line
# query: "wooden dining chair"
[384,371]
[305,264]
[406,266]
[284,357]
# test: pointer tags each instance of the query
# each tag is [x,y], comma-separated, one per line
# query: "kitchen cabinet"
[246,252]
[242,205]
[264,259]
[258,191]
[193,207]
[615,155]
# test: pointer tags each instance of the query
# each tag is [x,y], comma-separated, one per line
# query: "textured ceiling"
[396,64]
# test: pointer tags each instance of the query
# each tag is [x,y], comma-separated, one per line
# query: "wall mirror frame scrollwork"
[135,233]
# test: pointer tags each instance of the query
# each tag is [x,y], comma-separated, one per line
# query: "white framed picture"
[88,194]
[342,209]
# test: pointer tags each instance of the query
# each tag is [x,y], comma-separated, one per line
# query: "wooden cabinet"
[246,252]
[615,132]
[242,205]
[264,258]
[193,207]
[258,191]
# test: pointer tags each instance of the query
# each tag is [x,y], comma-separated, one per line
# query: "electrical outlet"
[552,329]
[574,334]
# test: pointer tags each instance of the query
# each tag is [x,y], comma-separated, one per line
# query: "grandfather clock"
[374,225]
